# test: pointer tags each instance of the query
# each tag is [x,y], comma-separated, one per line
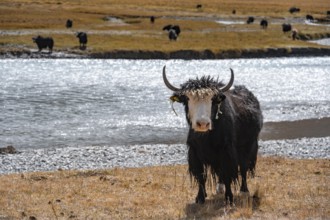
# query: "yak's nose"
[203,125]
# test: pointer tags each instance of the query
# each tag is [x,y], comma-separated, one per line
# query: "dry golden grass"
[140,34]
[282,188]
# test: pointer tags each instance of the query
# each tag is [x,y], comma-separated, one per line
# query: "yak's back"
[246,105]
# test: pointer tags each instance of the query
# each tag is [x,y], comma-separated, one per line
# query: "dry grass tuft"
[282,188]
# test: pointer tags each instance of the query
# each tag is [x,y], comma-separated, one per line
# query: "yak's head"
[36,39]
[202,100]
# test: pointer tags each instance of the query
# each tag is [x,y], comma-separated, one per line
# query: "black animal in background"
[69,23]
[294,10]
[173,31]
[250,20]
[224,126]
[286,27]
[82,39]
[233,12]
[309,18]
[199,6]
[264,23]
[152,19]
[44,42]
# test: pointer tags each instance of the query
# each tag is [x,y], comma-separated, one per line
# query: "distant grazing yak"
[173,31]
[264,23]
[199,6]
[250,20]
[286,27]
[82,39]
[233,12]
[309,18]
[68,23]
[294,9]
[44,42]
[152,19]
[328,13]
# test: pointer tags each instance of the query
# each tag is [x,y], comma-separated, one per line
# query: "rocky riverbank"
[102,157]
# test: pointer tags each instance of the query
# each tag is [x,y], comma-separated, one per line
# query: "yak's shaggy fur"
[230,147]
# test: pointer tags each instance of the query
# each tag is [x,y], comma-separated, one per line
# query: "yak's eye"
[219,98]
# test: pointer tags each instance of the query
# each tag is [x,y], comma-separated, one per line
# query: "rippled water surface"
[73,102]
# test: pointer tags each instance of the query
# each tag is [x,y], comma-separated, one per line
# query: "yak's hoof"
[200,200]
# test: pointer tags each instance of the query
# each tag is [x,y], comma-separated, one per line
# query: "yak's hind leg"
[243,170]
[196,169]
[247,162]
[228,192]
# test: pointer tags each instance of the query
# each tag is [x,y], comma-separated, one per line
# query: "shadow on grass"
[244,205]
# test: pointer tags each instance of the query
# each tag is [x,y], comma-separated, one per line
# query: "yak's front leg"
[196,169]
[228,193]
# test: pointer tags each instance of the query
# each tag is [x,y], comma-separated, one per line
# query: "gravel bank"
[96,157]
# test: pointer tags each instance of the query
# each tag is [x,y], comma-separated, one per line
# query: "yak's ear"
[175,98]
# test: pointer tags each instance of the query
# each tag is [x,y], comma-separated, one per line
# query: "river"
[55,103]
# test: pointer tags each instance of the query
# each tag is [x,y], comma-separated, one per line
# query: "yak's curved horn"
[167,83]
[230,83]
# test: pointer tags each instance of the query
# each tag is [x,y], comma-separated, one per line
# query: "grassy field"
[282,189]
[23,19]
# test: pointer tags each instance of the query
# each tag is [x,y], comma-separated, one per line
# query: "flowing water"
[50,103]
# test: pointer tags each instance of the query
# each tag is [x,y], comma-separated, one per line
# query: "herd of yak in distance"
[173,30]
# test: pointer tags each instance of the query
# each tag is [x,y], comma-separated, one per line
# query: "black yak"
[152,19]
[173,31]
[172,27]
[69,23]
[250,20]
[309,18]
[264,23]
[44,42]
[294,9]
[82,39]
[286,27]
[224,126]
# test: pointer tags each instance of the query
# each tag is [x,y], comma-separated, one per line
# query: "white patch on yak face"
[200,106]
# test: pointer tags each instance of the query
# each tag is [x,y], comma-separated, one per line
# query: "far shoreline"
[179,54]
